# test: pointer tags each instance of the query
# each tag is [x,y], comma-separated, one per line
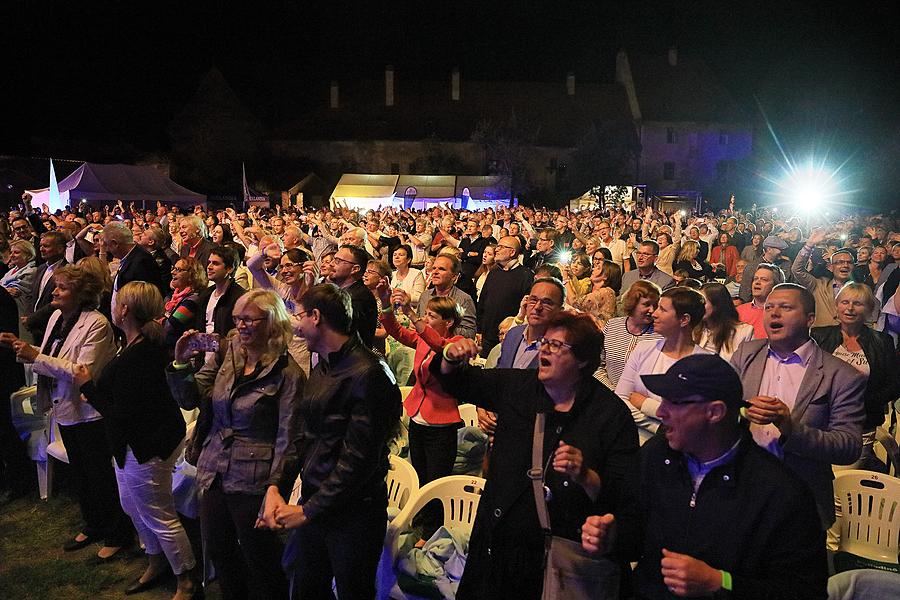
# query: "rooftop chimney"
[389,85]
[570,84]
[334,99]
[673,57]
[454,84]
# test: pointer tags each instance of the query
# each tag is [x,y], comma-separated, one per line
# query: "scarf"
[177,297]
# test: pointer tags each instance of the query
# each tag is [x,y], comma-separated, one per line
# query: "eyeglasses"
[645,254]
[555,345]
[510,248]
[842,262]
[343,260]
[544,302]
[251,321]
[179,270]
[283,266]
[372,272]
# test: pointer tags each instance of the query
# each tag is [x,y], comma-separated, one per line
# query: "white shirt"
[781,379]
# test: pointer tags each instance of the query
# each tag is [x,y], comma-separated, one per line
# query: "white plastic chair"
[402,482]
[869,518]
[459,495]
[469,414]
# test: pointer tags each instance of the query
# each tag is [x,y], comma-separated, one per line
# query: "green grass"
[33,564]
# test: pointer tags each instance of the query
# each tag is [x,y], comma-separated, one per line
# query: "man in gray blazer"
[804,404]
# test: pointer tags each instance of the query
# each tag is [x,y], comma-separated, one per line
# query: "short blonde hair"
[857,291]
[25,246]
[145,304]
[99,269]
[277,324]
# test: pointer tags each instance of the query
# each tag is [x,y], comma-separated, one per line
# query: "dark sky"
[826,78]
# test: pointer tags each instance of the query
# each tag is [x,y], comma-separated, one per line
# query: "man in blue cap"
[720,512]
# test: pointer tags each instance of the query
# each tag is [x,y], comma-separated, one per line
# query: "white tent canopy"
[368,191]
[104,184]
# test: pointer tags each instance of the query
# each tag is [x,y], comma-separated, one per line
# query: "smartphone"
[205,342]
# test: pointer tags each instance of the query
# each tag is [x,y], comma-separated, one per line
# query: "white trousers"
[145,491]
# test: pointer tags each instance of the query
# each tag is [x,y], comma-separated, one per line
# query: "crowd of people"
[679,385]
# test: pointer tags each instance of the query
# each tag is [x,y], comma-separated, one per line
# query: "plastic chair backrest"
[402,482]
[869,514]
[469,414]
[459,494]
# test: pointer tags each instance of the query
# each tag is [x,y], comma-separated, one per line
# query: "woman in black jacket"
[870,352]
[145,430]
[589,457]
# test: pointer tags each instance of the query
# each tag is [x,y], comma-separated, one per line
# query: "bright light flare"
[809,188]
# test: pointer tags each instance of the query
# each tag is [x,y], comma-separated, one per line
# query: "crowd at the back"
[752,353]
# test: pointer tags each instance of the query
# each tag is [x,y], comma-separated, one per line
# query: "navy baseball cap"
[704,375]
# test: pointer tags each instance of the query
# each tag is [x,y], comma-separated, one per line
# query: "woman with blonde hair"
[248,393]
[870,352]
[145,431]
[690,261]
[18,280]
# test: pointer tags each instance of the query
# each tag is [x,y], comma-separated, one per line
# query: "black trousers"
[90,463]
[432,451]
[344,546]
[16,469]
[247,560]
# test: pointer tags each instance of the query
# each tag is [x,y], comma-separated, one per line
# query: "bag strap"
[536,473]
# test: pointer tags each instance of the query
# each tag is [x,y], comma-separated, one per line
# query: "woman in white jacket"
[679,312]
[78,334]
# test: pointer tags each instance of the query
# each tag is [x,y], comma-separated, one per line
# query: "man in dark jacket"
[350,405]
[216,303]
[347,271]
[135,263]
[53,252]
[720,513]
[503,290]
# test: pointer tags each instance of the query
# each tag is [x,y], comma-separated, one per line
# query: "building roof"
[423,109]
[687,91]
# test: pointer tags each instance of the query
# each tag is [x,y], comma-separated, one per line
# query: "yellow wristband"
[179,366]
[447,358]
[726,580]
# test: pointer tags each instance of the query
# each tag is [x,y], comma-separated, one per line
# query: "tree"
[506,145]
[606,155]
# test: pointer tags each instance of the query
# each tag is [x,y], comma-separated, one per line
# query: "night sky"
[826,79]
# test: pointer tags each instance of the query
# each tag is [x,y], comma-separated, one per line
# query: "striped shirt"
[618,343]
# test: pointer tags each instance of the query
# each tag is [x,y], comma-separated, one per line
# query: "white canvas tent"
[104,184]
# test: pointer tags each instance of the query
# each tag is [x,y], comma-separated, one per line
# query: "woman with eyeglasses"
[621,335]
[375,271]
[248,394]
[296,273]
[588,456]
[181,307]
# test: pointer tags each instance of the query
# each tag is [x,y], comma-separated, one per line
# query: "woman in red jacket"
[433,413]
[725,253]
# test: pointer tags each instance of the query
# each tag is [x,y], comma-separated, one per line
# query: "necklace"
[643,331]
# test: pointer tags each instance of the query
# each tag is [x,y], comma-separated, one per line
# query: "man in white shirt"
[615,246]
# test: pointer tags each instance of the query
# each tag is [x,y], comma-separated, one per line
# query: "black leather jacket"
[351,404]
[883,385]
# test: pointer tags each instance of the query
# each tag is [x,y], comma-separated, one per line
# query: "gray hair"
[118,232]
[198,223]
